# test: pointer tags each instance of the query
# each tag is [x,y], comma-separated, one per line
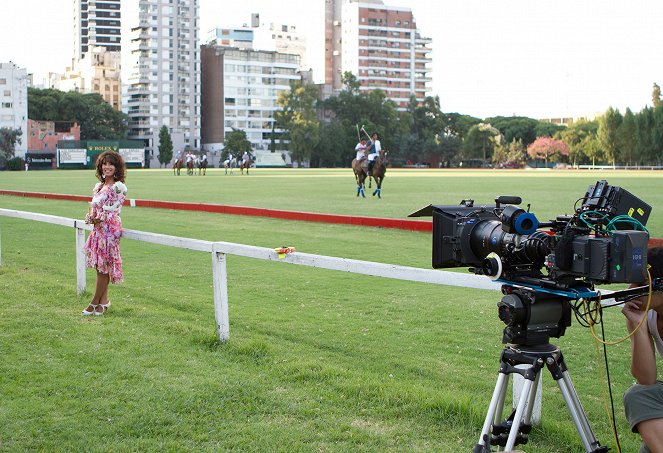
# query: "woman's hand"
[91,220]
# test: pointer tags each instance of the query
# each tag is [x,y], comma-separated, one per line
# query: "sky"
[536,58]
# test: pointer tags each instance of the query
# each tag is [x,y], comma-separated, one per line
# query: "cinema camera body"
[543,266]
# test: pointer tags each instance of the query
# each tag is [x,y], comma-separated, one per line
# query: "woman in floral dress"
[102,249]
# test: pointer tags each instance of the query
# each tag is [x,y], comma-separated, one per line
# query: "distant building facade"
[164,88]
[97,72]
[274,37]
[239,90]
[380,45]
[14,83]
[43,136]
[97,23]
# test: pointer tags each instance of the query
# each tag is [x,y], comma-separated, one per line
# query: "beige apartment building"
[380,45]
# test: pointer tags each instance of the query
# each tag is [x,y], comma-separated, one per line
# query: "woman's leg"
[101,291]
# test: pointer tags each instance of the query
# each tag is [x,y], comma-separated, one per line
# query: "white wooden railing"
[219,250]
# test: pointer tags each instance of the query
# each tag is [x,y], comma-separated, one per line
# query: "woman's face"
[107,169]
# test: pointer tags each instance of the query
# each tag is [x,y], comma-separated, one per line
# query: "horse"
[378,171]
[360,172]
[189,167]
[246,164]
[202,167]
[229,164]
[177,165]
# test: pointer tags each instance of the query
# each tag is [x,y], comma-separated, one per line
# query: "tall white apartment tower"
[96,24]
[14,102]
[164,88]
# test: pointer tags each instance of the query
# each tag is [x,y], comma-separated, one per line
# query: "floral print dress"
[102,249]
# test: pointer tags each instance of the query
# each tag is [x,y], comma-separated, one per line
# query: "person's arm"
[643,358]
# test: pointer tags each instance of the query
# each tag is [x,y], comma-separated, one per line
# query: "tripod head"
[532,316]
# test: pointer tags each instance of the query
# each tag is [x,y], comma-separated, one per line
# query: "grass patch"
[317,360]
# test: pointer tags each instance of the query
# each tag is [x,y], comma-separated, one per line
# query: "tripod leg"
[527,418]
[494,411]
[578,414]
[561,375]
[526,396]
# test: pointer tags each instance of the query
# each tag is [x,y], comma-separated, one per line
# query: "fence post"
[220,277]
[81,284]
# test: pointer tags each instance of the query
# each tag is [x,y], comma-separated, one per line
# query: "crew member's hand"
[634,311]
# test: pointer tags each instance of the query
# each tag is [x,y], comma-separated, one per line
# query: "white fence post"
[220,277]
[81,284]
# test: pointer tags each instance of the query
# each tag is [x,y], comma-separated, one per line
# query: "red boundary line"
[412,225]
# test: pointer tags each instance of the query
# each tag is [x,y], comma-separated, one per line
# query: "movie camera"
[542,266]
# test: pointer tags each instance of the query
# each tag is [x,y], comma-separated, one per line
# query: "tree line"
[324,132]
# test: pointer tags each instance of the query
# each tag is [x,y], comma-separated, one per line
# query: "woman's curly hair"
[113,158]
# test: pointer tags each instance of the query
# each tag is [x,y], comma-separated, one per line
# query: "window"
[3,81]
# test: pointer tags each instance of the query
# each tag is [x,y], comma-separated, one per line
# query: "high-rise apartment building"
[380,45]
[96,24]
[14,102]
[240,88]
[164,89]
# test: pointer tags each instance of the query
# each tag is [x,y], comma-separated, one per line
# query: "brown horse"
[189,167]
[202,167]
[177,165]
[360,170]
[378,171]
[246,164]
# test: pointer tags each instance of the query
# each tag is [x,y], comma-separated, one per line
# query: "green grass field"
[317,360]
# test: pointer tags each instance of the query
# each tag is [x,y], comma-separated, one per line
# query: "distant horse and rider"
[374,166]
[247,162]
[177,165]
[229,164]
[202,165]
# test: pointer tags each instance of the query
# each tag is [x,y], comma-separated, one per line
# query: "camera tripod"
[515,430]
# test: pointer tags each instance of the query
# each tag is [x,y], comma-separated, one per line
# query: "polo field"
[318,360]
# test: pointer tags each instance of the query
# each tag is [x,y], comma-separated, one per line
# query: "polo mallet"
[364,131]
[358,134]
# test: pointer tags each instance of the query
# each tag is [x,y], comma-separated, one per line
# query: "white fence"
[219,250]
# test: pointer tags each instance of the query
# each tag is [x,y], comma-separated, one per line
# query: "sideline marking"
[401,224]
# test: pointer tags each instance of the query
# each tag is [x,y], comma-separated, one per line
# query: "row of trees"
[423,133]
[324,132]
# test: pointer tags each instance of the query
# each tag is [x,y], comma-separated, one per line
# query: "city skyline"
[489,58]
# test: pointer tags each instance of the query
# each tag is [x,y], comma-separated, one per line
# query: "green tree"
[481,141]
[607,134]
[165,146]
[579,137]
[97,119]
[627,137]
[645,149]
[656,95]
[515,127]
[657,135]
[9,138]
[298,117]
[459,125]
[235,142]
[515,152]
